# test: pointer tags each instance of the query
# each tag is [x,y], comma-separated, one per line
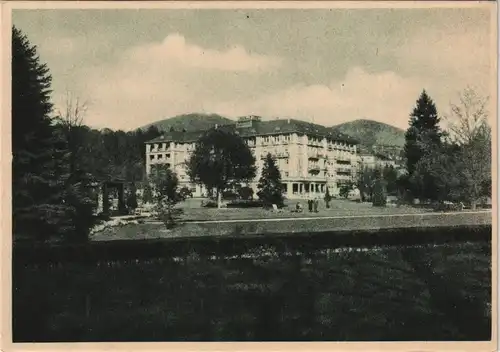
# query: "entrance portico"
[304,189]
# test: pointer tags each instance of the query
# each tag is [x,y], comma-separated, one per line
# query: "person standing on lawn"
[328,198]
[316,203]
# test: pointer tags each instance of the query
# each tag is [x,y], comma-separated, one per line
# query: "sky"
[328,66]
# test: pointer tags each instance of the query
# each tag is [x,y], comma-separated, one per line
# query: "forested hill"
[371,133]
[190,122]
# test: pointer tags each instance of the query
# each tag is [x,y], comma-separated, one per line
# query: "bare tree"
[73,112]
[71,117]
[470,131]
[469,118]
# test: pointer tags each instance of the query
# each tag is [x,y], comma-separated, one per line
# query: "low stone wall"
[332,224]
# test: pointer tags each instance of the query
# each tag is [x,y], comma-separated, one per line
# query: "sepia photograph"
[245,172]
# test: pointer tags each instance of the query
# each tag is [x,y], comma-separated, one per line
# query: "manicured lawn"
[338,207]
[348,215]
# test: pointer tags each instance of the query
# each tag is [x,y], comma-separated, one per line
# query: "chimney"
[288,121]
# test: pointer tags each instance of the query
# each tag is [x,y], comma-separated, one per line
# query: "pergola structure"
[104,186]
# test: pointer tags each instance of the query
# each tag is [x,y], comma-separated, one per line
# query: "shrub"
[132,200]
[185,192]
[246,204]
[229,195]
[165,189]
[169,216]
[345,189]
[246,193]
[209,204]
[379,198]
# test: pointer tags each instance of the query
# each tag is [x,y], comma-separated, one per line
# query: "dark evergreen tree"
[424,131]
[270,186]
[38,172]
[50,191]
[379,198]
[391,178]
[422,137]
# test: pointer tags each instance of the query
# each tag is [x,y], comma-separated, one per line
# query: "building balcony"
[345,170]
[314,169]
[309,178]
[343,177]
[317,155]
[282,155]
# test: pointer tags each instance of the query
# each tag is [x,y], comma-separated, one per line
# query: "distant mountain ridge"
[190,122]
[368,132]
[372,133]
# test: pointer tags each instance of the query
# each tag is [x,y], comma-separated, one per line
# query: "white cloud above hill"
[272,68]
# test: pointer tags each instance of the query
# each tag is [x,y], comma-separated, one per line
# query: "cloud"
[159,80]
[384,97]
[175,50]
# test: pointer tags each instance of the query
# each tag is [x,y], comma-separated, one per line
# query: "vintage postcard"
[207,175]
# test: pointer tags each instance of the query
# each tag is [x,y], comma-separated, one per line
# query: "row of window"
[284,138]
[276,139]
[161,147]
[153,157]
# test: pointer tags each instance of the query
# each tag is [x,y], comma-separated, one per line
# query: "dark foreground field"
[433,291]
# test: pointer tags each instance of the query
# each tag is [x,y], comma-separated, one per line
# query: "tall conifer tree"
[270,185]
[422,137]
[41,194]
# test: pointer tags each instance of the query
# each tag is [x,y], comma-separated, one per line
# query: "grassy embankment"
[393,293]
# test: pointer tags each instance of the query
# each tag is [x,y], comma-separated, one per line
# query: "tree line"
[451,164]
[56,158]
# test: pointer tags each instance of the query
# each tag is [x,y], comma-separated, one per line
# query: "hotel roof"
[261,128]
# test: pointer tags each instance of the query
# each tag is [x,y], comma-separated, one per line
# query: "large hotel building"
[309,156]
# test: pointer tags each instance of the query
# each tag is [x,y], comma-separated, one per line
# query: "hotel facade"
[309,156]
